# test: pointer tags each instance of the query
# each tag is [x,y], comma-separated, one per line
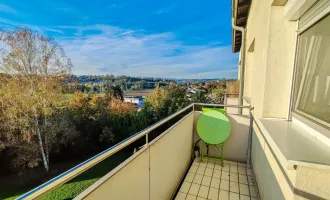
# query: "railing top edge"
[133,138]
[223,105]
[119,146]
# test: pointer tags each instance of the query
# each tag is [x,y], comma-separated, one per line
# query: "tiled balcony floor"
[209,180]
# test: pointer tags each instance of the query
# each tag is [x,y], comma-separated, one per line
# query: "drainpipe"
[243,30]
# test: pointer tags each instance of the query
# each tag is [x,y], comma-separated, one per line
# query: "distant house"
[137,100]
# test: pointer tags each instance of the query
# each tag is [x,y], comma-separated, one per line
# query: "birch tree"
[33,67]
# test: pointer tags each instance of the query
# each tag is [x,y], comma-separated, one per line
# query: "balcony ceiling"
[242,12]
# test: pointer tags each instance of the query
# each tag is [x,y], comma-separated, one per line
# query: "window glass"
[312,81]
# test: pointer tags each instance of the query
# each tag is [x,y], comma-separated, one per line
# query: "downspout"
[243,30]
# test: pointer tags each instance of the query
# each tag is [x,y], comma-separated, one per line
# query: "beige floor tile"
[206,181]
[234,187]
[203,164]
[185,187]
[233,169]
[210,165]
[241,170]
[180,196]
[208,172]
[189,177]
[203,191]
[226,167]
[193,169]
[254,198]
[223,195]
[251,180]
[191,197]
[233,177]
[200,198]
[253,191]
[198,179]
[243,197]
[230,162]
[244,189]
[215,182]
[200,170]
[213,194]
[195,163]
[233,196]
[194,189]
[225,175]
[224,185]
[216,173]
[243,179]
[249,172]
[197,159]
[241,164]
[217,165]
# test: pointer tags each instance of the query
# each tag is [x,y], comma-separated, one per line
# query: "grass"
[76,185]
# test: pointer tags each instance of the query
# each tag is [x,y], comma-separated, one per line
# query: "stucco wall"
[268,69]
[257,29]
[312,183]
[236,146]
[280,62]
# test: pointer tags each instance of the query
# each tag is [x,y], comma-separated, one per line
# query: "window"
[312,79]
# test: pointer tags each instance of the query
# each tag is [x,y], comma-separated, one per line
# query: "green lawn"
[76,185]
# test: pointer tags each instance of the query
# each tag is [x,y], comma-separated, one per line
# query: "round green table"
[214,128]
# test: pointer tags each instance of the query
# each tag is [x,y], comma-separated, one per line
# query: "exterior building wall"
[268,83]
[312,183]
[265,176]
[279,66]
[257,29]
[268,68]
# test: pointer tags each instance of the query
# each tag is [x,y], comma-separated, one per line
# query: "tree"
[232,87]
[200,97]
[167,100]
[36,66]
[115,92]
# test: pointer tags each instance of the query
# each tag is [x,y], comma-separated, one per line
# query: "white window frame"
[294,112]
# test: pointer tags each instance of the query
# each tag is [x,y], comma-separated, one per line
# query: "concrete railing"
[154,172]
[170,151]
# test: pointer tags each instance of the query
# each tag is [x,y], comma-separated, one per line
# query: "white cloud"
[120,51]
[7,9]
[166,9]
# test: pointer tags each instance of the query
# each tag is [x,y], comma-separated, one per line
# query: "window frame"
[294,112]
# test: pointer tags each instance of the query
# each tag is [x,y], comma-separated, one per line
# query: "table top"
[213,127]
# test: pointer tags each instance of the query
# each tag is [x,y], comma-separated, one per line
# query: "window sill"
[293,145]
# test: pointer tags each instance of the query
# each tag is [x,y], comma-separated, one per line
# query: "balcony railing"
[157,169]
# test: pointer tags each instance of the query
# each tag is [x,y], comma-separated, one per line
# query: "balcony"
[164,166]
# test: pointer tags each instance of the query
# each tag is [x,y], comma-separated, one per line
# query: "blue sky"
[161,38]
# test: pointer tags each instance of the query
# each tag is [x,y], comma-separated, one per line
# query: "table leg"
[201,150]
[222,157]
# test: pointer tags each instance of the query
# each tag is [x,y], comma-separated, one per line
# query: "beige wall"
[268,70]
[312,183]
[169,159]
[232,101]
[154,173]
[134,177]
[236,146]
[273,183]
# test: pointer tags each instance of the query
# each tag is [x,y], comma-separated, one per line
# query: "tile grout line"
[248,183]
[192,179]
[201,181]
[239,191]
[220,182]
